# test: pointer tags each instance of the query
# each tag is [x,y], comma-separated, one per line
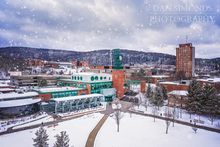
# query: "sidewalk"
[92,135]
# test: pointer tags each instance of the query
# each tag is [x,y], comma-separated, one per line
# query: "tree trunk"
[167,129]
[173,122]
[118,128]
[154,118]
[190,115]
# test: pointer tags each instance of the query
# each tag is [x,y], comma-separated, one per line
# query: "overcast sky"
[84,25]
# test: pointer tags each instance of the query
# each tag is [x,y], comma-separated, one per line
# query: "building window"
[71,84]
[81,85]
[68,84]
[81,78]
[96,78]
[104,78]
[85,86]
[74,84]
[92,78]
[78,78]
[101,78]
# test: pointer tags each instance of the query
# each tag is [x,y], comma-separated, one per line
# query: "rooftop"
[15,103]
[76,97]
[16,95]
[211,80]
[179,92]
[56,89]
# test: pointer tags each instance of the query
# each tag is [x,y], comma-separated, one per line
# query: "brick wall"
[118,82]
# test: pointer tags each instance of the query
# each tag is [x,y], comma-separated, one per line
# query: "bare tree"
[118,115]
[218,125]
[167,119]
[154,112]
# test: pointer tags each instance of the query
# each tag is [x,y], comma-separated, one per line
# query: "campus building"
[185,59]
[46,93]
[177,98]
[92,83]
[13,105]
[73,103]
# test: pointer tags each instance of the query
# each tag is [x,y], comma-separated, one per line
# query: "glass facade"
[73,105]
[95,88]
[20,111]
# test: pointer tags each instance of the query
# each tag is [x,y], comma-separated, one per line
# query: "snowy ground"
[78,130]
[185,115]
[141,131]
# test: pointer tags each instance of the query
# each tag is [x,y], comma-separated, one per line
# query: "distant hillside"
[100,57]
[97,57]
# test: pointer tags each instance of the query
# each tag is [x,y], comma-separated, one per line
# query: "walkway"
[92,135]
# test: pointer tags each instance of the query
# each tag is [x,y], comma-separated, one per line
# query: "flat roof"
[211,80]
[16,103]
[16,95]
[56,89]
[158,76]
[4,85]
[75,97]
[179,92]
[7,89]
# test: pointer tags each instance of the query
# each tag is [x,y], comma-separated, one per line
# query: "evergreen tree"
[158,97]
[194,95]
[62,140]
[207,93]
[149,93]
[213,106]
[41,139]
[164,91]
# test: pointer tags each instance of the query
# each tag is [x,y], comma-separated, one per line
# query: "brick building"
[185,59]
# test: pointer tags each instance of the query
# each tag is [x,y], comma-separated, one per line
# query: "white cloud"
[90,25]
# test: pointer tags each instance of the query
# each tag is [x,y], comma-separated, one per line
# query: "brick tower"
[185,59]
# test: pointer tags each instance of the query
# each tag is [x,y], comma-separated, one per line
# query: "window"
[57,83]
[105,78]
[81,85]
[92,78]
[75,77]
[96,78]
[101,78]
[85,86]
[72,77]
[71,84]
[81,78]
[78,78]
[68,84]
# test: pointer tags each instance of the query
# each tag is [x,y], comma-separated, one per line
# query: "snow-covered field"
[141,131]
[78,130]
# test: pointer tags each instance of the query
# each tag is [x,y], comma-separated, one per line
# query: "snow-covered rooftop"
[55,89]
[211,80]
[15,103]
[76,97]
[16,95]
[158,76]
[179,92]
[3,85]
[6,89]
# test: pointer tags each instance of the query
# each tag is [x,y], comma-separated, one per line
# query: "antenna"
[186,38]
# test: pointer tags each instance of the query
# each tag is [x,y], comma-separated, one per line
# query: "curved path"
[92,135]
